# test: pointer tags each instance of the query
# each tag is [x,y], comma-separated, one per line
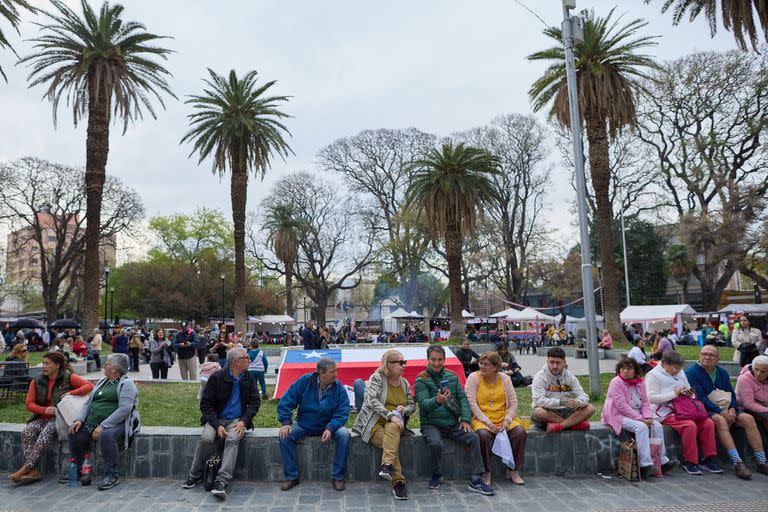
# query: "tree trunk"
[239,191]
[453,256]
[321,304]
[288,292]
[600,167]
[96,152]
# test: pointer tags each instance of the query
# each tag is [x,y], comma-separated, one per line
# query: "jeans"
[110,441]
[228,457]
[258,377]
[159,370]
[433,436]
[97,358]
[288,450]
[359,386]
[134,359]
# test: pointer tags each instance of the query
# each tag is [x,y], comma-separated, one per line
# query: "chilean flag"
[356,364]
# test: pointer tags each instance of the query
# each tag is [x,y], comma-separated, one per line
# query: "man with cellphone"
[444,413]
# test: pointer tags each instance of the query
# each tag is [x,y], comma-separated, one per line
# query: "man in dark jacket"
[185,344]
[309,337]
[468,357]
[230,401]
[323,410]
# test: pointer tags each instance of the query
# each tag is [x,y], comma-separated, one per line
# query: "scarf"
[632,382]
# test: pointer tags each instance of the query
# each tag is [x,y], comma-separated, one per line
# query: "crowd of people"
[699,403]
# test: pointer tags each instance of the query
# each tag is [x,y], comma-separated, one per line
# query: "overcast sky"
[440,66]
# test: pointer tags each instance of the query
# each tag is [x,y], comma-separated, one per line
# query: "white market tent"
[272,324]
[467,314]
[525,315]
[400,313]
[745,308]
[667,316]
[574,323]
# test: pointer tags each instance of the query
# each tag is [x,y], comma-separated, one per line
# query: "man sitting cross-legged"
[558,401]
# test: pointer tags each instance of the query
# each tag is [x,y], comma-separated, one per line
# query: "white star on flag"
[312,354]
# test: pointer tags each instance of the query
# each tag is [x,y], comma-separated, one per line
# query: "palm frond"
[10,10]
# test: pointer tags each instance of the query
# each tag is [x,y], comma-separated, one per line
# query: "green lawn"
[176,405]
[687,351]
[35,358]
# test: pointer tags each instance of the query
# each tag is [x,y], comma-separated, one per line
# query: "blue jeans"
[258,378]
[359,386]
[288,450]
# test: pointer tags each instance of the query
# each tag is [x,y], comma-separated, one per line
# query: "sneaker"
[385,471]
[647,471]
[711,465]
[109,482]
[219,489]
[762,468]
[669,466]
[692,469]
[477,485]
[553,428]
[435,481]
[399,490]
[584,425]
[190,482]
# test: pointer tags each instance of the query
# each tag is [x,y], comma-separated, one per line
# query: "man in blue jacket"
[323,410]
[712,385]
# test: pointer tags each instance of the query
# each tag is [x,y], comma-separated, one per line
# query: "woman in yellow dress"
[493,402]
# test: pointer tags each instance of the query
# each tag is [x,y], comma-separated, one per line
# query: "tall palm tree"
[284,229]
[450,187]
[240,128]
[738,16]
[11,11]
[607,71]
[680,266]
[104,67]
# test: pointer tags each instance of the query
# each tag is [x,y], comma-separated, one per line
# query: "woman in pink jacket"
[626,407]
[752,389]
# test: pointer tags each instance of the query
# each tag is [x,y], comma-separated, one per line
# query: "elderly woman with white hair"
[109,416]
[752,389]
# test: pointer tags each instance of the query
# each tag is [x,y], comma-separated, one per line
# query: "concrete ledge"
[166,452]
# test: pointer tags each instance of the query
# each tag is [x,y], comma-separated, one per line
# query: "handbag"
[687,408]
[629,466]
[213,464]
[66,411]
[721,398]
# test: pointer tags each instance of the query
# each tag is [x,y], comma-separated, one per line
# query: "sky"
[440,66]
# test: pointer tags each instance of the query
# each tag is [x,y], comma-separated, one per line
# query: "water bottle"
[86,471]
[72,481]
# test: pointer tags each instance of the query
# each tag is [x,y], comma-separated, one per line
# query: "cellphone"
[443,385]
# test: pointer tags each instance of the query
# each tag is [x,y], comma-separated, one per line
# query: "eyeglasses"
[22,351]
[243,357]
[401,362]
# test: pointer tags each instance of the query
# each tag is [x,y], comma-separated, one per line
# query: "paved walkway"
[676,492]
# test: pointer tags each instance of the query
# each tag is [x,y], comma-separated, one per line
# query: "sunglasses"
[401,362]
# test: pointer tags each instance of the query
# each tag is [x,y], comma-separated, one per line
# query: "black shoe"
[386,471]
[219,489]
[190,482]
[109,482]
[647,471]
[669,466]
[400,491]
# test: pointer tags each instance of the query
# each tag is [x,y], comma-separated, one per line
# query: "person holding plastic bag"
[493,402]
[627,408]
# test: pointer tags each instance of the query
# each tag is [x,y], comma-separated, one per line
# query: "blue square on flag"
[311,356]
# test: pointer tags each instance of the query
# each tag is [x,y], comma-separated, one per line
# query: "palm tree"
[607,70]
[738,16]
[680,266]
[239,127]
[450,187]
[103,66]
[284,227]
[10,10]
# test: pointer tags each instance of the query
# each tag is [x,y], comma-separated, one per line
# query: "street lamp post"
[222,276]
[581,194]
[106,295]
[111,302]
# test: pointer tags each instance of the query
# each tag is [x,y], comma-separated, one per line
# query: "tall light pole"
[222,276]
[581,194]
[106,295]
[624,245]
[111,302]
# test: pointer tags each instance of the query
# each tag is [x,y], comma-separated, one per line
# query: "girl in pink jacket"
[626,407]
[752,389]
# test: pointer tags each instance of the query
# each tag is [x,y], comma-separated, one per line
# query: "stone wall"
[166,452]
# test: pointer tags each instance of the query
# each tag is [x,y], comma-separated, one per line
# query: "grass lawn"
[687,351]
[176,405]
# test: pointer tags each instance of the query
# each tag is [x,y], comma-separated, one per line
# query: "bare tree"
[520,143]
[337,241]
[705,116]
[375,164]
[43,204]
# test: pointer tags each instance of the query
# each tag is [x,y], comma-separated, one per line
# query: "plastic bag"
[503,448]
[656,454]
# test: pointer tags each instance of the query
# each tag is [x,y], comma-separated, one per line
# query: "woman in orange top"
[45,392]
